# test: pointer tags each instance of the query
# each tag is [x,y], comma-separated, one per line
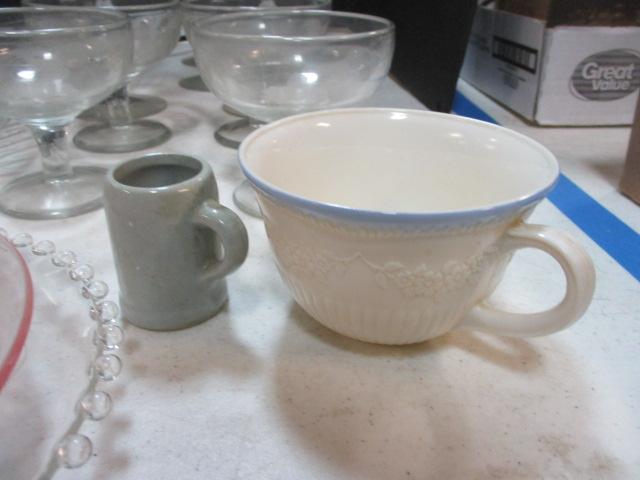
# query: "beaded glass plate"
[60,380]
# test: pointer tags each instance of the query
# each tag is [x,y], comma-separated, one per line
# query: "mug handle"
[232,232]
[578,270]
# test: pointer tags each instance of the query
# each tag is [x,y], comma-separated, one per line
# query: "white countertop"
[262,391]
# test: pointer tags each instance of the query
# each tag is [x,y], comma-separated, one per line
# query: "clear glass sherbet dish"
[193,10]
[140,105]
[155,25]
[55,63]
[271,64]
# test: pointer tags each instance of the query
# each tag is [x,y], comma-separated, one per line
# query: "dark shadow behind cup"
[431,39]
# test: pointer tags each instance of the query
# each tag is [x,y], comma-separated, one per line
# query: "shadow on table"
[184,116]
[115,457]
[193,83]
[514,354]
[381,412]
[206,350]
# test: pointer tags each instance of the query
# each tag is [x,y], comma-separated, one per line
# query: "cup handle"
[232,232]
[579,272]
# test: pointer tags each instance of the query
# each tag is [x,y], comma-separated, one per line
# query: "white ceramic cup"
[395,226]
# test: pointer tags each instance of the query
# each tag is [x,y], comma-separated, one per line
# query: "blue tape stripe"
[614,236]
[466,108]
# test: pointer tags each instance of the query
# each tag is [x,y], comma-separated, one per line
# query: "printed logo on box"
[608,75]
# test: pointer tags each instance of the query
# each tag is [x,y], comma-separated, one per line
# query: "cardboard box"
[576,12]
[560,75]
[630,184]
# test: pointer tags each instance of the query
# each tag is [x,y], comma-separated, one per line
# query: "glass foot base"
[194,83]
[35,198]
[245,199]
[141,106]
[189,61]
[126,138]
[232,134]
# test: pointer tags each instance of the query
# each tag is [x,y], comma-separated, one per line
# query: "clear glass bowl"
[16,307]
[271,64]
[193,10]
[155,25]
[146,52]
[57,62]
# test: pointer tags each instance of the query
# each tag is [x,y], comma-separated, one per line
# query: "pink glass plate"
[16,307]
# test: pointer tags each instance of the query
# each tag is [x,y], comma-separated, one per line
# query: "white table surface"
[262,391]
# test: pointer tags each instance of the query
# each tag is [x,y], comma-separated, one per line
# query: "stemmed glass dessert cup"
[55,63]
[272,64]
[156,29]
[193,10]
[140,105]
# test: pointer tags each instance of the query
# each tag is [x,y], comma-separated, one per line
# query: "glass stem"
[51,142]
[119,108]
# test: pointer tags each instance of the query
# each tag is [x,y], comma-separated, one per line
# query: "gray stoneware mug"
[173,243]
